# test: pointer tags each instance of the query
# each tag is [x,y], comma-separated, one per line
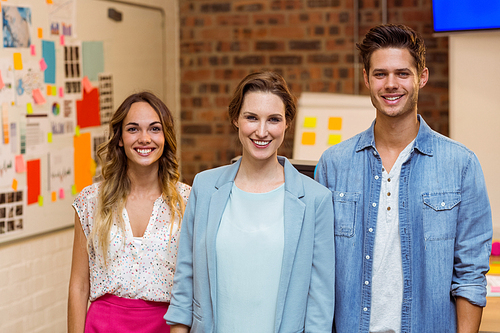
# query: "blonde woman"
[127,226]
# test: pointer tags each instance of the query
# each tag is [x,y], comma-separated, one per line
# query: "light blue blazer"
[306,289]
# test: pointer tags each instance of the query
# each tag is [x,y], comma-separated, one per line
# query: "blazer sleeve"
[180,310]
[321,298]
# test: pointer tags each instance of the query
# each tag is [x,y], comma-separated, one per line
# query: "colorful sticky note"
[310,122]
[61,193]
[18,61]
[54,91]
[33,50]
[40,200]
[49,90]
[54,196]
[50,2]
[308,138]
[29,108]
[38,97]
[14,184]
[61,92]
[49,137]
[333,139]
[61,39]
[1,81]
[73,190]
[335,123]
[82,160]
[43,65]
[20,165]
[93,167]
[77,130]
[87,86]
[33,180]
[40,33]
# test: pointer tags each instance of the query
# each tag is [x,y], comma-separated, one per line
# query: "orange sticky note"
[18,61]
[38,97]
[61,193]
[333,139]
[14,184]
[49,2]
[87,85]
[61,39]
[49,90]
[29,108]
[335,123]
[43,65]
[40,33]
[20,165]
[310,122]
[82,160]
[1,81]
[308,138]
[54,196]
[33,51]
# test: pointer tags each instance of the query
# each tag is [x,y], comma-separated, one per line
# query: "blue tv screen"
[463,15]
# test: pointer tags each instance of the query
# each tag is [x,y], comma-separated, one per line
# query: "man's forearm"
[468,316]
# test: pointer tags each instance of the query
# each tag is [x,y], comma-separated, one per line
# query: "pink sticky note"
[87,85]
[43,65]
[33,51]
[38,97]
[61,193]
[495,289]
[61,39]
[61,92]
[20,165]
[1,81]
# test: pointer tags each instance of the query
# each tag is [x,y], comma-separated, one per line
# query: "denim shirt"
[445,228]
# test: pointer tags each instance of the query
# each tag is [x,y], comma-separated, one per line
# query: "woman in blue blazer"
[256,250]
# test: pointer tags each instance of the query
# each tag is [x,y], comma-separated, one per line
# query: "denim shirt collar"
[423,141]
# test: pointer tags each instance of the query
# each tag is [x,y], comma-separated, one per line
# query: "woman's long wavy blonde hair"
[115,186]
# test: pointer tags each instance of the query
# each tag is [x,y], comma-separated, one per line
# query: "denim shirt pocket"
[344,208]
[440,215]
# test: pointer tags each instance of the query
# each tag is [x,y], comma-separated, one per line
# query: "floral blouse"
[137,270]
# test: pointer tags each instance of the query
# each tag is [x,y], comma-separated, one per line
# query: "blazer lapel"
[218,203]
[294,217]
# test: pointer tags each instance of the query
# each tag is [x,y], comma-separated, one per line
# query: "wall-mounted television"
[465,15]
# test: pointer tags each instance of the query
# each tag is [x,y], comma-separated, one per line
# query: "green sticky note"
[54,91]
[40,200]
[73,189]
[77,130]
[49,137]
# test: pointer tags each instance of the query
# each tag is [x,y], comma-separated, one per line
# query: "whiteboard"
[325,119]
[133,53]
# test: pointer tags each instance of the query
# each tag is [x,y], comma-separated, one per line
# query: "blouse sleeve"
[85,206]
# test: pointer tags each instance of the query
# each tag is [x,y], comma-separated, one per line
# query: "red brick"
[287,32]
[196,75]
[232,20]
[413,15]
[286,4]
[305,18]
[215,33]
[271,19]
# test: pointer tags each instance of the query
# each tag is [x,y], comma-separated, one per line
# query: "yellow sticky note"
[40,33]
[49,137]
[54,196]
[333,139]
[308,138]
[54,91]
[40,200]
[77,130]
[310,122]
[73,189]
[29,108]
[18,61]
[335,123]
[14,184]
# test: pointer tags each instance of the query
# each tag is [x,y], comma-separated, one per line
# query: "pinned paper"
[33,181]
[38,97]
[61,40]
[40,33]
[87,85]
[20,165]
[43,65]
[335,123]
[333,139]
[61,193]
[49,55]
[49,137]
[29,108]
[54,196]
[61,92]
[82,160]
[308,138]
[40,200]
[18,61]
[88,109]
[1,81]
[92,59]
[33,51]
[310,122]
[14,184]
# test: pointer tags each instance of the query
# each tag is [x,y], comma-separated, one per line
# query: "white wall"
[475,105]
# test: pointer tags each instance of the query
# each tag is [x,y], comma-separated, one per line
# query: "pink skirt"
[110,314]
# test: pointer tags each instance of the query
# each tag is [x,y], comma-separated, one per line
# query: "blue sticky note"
[49,55]
[92,59]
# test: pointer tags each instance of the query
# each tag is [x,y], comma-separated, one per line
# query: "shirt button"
[376,177]
[367,283]
[370,230]
[388,194]
[365,309]
[442,204]
[388,208]
[367,257]
[389,179]
[374,204]
[341,195]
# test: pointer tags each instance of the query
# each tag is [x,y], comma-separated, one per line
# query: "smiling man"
[412,217]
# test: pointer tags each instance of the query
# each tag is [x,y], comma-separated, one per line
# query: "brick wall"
[309,42]
[34,278]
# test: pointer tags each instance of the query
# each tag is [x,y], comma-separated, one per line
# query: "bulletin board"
[325,119]
[64,68]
